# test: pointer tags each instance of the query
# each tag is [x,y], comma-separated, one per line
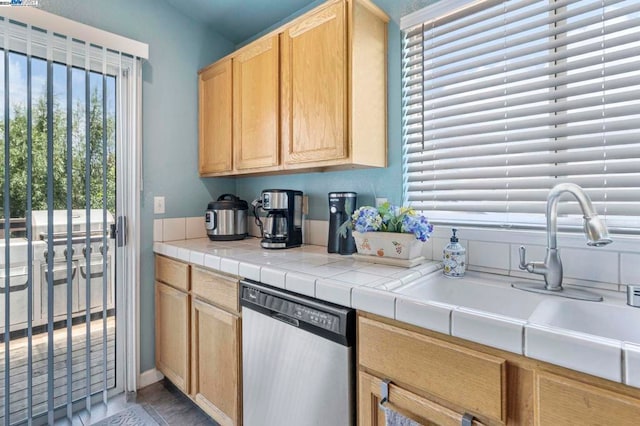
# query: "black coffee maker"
[341,207]
[282,227]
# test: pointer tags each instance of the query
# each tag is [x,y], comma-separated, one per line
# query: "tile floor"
[164,403]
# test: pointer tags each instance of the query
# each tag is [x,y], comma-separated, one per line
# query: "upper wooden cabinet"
[214,118]
[256,105]
[334,87]
[311,95]
[314,87]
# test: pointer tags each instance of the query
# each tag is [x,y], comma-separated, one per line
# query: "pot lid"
[228,202]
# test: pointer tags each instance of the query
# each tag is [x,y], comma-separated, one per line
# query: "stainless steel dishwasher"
[298,359]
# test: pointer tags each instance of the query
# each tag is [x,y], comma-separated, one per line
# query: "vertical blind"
[504,100]
[78,93]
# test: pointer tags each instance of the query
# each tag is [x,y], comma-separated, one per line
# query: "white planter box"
[388,244]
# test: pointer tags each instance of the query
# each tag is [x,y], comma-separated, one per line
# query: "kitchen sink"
[594,338]
[612,321]
[484,292]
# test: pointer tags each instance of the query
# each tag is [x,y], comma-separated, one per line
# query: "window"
[504,100]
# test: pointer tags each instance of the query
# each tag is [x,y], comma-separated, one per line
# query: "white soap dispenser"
[454,257]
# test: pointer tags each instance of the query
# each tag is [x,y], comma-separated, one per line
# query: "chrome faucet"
[595,230]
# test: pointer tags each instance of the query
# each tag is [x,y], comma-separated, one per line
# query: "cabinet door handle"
[467,420]
[384,391]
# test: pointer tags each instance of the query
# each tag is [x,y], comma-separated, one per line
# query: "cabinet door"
[216,362]
[215,108]
[256,104]
[172,335]
[408,404]
[314,87]
[462,377]
[561,401]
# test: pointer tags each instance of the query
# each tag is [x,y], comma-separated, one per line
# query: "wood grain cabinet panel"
[563,401]
[410,405]
[311,95]
[256,107]
[172,335]
[314,87]
[215,288]
[216,362]
[215,119]
[172,272]
[465,378]
[334,86]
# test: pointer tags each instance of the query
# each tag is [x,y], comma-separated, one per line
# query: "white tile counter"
[307,270]
[400,293]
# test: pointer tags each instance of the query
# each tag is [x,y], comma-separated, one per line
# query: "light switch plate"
[380,201]
[158,205]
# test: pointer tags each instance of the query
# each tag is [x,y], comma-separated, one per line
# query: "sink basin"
[478,291]
[592,337]
[612,321]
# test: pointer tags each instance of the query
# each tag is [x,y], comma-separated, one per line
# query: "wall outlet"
[380,201]
[158,205]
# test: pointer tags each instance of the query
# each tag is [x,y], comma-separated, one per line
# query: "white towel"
[393,418]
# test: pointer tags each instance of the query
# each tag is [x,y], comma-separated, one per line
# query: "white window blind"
[504,100]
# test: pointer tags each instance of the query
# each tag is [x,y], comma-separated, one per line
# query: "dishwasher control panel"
[315,317]
[292,307]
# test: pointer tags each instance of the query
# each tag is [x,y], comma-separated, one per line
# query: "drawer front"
[215,288]
[471,380]
[172,272]
[559,400]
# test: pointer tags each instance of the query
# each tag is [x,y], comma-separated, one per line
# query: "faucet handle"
[523,255]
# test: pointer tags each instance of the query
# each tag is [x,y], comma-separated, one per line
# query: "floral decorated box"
[388,244]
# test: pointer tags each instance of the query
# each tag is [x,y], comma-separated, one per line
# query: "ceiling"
[237,20]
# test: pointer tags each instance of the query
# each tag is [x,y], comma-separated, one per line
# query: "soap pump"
[454,257]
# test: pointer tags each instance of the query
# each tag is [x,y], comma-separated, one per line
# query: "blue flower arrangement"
[389,218]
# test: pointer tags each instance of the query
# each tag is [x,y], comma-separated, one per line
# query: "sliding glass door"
[58,211]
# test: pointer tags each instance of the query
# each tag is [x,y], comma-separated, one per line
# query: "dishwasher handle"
[285,319]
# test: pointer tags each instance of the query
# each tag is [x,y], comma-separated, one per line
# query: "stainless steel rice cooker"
[226,218]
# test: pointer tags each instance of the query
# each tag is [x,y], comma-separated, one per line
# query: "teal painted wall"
[368,183]
[178,47]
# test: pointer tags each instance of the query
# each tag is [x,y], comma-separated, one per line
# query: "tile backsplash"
[487,250]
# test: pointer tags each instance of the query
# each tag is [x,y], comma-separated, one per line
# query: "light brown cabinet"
[256,133]
[458,380]
[560,401]
[216,346]
[215,119]
[198,337]
[314,87]
[334,87]
[310,95]
[437,379]
[172,321]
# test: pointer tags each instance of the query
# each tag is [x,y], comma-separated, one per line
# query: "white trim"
[432,11]
[149,377]
[45,20]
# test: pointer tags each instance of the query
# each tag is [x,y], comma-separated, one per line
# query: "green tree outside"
[18,157]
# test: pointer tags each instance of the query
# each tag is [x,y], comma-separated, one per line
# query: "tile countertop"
[311,271]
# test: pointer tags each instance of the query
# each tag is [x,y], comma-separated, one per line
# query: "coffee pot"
[282,227]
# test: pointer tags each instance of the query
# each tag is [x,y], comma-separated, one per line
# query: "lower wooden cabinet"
[467,380]
[410,405]
[435,379]
[172,334]
[198,336]
[560,401]
[216,383]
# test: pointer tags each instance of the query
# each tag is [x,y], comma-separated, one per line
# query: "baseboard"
[149,377]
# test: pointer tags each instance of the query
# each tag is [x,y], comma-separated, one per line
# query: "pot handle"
[211,220]
[228,197]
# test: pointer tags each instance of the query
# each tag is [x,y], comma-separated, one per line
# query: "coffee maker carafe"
[282,227]
[341,207]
